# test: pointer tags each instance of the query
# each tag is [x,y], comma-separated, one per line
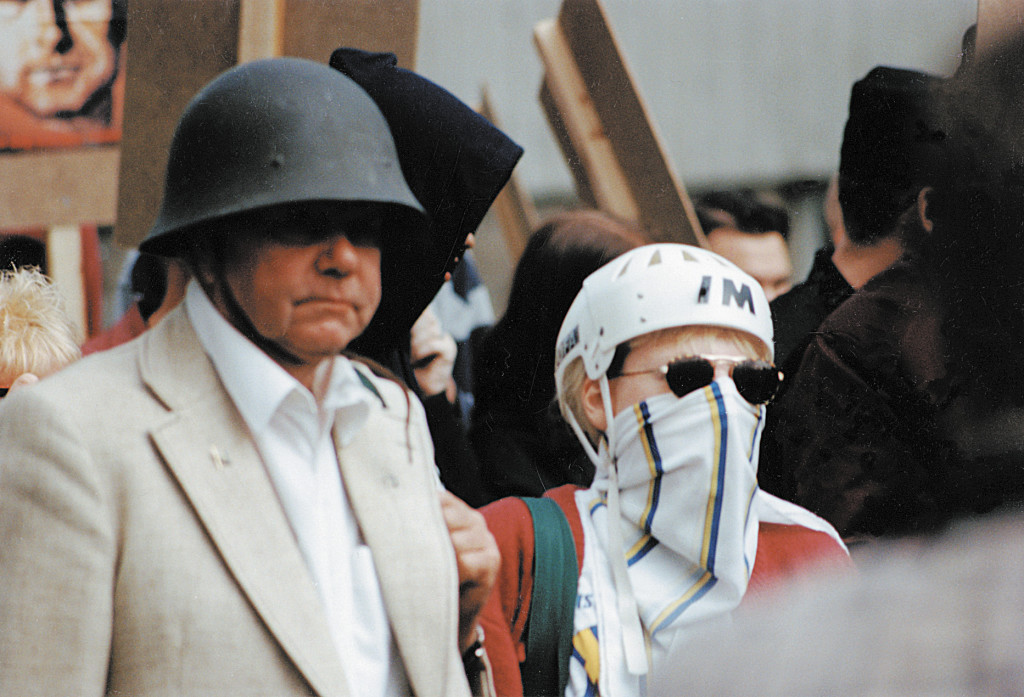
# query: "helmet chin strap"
[219,288]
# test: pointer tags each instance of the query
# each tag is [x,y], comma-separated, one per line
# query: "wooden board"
[998,18]
[314,28]
[177,46]
[608,121]
[601,181]
[260,29]
[43,188]
[64,264]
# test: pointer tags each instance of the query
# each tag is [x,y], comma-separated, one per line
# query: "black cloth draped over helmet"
[454,161]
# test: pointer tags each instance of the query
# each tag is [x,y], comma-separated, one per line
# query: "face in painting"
[55,54]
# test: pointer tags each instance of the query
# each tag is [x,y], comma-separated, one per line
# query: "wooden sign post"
[997,19]
[604,127]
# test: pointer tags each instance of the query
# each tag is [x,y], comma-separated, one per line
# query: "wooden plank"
[64,264]
[314,28]
[260,29]
[997,19]
[175,48]
[664,208]
[572,158]
[514,207]
[579,128]
[41,188]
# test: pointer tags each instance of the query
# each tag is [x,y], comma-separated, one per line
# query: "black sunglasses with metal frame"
[757,381]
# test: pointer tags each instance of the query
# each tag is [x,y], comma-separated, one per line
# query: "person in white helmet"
[663,369]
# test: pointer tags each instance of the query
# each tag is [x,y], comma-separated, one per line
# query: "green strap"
[370,386]
[553,603]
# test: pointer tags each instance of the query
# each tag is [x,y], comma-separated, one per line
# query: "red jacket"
[127,328]
[782,551]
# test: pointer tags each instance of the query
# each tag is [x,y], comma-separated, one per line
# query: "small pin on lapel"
[219,461]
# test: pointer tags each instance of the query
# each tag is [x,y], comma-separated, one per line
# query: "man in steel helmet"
[663,367]
[226,505]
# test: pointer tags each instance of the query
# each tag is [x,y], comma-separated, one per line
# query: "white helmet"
[654,287]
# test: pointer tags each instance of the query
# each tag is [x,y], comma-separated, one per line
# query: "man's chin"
[314,352]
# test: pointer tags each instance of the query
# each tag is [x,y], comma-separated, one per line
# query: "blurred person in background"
[521,441]
[871,212]
[156,286]
[903,415]
[37,338]
[751,233]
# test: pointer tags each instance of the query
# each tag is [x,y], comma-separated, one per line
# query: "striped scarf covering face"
[687,476]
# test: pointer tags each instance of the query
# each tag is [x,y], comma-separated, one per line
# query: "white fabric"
[687,472]
[292,430]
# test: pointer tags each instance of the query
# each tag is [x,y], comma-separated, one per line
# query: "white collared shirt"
[292,430]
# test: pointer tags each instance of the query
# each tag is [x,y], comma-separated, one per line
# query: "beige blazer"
[143,550]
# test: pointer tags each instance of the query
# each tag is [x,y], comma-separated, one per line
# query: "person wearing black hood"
[456,162]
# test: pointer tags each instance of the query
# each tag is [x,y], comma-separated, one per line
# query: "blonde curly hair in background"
[36,334]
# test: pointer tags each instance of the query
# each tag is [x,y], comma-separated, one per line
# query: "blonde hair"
[36,334]
[570,398]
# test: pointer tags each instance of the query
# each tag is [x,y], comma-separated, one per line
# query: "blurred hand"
[433,356]
[478,559]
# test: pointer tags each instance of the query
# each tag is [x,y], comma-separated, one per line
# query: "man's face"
[763,255]
[311,299]
[54,54]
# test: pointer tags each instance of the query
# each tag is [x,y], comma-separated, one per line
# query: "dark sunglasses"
[4,391]
[756,381]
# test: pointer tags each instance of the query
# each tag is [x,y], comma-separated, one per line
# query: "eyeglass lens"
[756,381]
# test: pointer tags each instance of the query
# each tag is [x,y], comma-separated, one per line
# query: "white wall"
[742,91]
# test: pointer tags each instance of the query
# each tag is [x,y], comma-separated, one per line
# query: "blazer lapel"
[206,445]
[396,504]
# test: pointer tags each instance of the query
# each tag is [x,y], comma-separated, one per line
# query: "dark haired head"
[742,210]
[890,147]
[149,282]
[21,250]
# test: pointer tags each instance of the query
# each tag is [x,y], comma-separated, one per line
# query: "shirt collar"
[258,385]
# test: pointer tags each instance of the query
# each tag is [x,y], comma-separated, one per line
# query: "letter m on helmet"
[741,297]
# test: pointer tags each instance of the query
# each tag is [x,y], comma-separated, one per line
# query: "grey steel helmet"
[272,132]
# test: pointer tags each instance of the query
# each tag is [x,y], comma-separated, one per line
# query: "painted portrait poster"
[61,72]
